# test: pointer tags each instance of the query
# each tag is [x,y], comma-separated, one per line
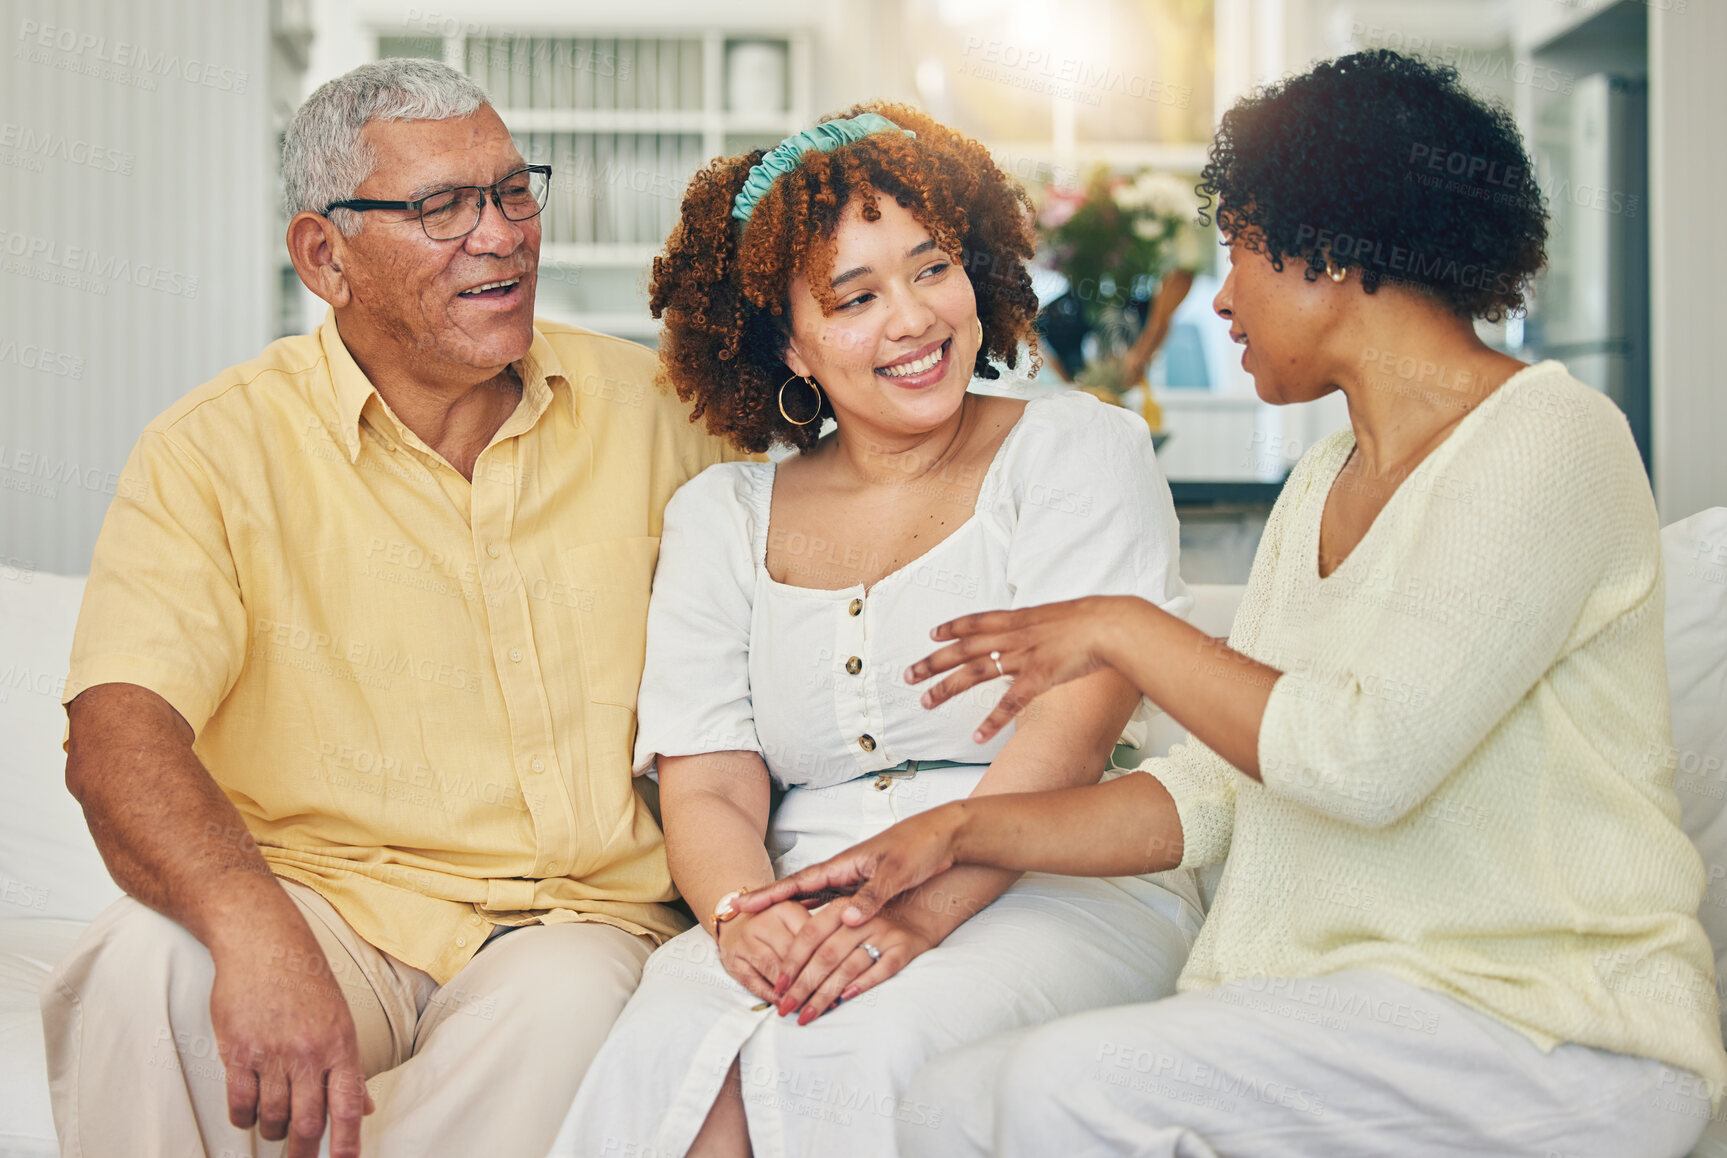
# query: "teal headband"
[824,138]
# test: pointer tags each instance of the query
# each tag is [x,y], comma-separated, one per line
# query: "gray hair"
[324,158]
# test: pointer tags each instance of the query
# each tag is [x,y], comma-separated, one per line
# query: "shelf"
[1192,493]
[635,327]
[605,120]
[691,121]
[626,256]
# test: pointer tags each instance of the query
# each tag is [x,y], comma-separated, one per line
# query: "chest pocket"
[611,581]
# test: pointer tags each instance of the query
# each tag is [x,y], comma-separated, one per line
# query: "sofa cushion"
[1695,555]
[29,949]
[48,863]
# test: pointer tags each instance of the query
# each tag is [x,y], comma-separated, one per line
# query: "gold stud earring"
[811,383]
[1336,275]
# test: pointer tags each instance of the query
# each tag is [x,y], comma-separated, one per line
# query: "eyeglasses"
[452,213]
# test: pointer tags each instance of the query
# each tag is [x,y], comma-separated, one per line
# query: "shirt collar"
[539,369]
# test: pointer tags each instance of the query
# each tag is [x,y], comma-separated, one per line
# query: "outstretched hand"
[870,874]
[1039,647]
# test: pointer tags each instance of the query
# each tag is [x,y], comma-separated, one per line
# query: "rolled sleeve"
[162,608]
[1202,784]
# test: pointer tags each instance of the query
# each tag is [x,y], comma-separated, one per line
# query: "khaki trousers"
[485,1065]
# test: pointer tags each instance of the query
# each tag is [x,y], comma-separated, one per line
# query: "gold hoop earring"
[1336,275]
[980,333]
[810,382]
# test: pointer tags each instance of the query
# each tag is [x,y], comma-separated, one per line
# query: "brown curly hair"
[722,286]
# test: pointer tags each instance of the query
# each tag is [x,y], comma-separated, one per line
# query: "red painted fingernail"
[786,1007]
[807,1016]
[851,992]
[780,986]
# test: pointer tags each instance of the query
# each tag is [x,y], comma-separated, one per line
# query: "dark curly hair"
[1384,163]
[722,287]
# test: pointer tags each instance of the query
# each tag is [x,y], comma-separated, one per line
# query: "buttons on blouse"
[883,782]
[866,742]
[855,607]
[854,665]
[493,550]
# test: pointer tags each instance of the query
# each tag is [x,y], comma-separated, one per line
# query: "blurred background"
[142,233]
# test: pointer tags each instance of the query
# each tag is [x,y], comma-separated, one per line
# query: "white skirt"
[1047,948]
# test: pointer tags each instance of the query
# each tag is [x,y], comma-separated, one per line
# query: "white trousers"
[483,1065]
[1046,948]
[1352,1065]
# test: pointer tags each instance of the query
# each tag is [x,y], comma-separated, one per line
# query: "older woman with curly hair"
[865,271]
[1458,914]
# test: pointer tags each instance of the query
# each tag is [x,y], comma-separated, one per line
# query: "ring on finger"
[874,953]
[995,657]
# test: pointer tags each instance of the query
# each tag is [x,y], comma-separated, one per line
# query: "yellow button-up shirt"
[418,690]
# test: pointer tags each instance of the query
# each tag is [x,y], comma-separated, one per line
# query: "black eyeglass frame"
[490,191]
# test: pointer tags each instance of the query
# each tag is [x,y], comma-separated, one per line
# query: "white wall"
[137,188]
[1687,253]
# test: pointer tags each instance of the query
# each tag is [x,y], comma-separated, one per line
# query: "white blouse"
[1073,504]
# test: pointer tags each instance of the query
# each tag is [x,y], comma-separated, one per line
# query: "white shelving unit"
[624,119]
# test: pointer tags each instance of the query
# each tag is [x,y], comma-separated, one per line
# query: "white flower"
[1163,194]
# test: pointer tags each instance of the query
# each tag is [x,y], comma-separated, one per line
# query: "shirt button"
[516,655]
[854,665]
[866,742]
[492,550]
[537,764]
[856,607]
[473,920]
[551,866]
[461,942]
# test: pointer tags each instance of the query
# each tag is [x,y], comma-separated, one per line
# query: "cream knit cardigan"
[1463,773]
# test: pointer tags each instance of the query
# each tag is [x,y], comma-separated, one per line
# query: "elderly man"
[352,690]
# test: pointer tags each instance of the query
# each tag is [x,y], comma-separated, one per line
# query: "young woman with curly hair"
[1458,914]
[865,271]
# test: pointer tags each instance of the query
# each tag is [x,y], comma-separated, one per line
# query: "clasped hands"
[794,944]
[798,958]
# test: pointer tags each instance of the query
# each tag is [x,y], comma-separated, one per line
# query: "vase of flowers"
[1128,247]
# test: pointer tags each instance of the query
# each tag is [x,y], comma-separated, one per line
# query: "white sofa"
[52,883]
